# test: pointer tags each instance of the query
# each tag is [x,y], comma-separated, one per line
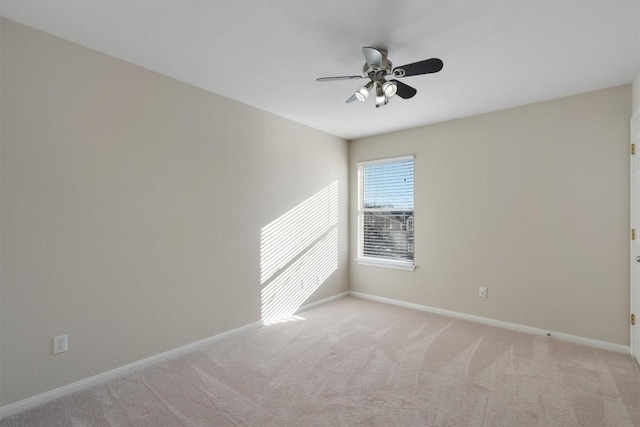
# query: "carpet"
[353,362]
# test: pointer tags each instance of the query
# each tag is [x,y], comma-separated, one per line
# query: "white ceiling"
[497,53]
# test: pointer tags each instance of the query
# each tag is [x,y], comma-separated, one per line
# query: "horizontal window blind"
[388,185]
[385,209]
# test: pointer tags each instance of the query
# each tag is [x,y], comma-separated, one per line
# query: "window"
[385,212]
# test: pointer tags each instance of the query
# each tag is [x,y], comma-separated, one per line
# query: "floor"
[354,362]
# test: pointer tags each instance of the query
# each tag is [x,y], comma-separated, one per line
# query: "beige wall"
[531,202]
[1,295]
[132,210]
[636,93]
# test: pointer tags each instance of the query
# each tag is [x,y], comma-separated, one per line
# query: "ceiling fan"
[378,68]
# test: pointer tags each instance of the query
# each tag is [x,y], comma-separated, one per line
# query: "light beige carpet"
[359,363]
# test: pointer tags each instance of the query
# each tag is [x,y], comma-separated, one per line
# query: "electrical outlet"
[482,293]
[60,344]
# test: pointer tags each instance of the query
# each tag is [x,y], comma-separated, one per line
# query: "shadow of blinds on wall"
[298,252]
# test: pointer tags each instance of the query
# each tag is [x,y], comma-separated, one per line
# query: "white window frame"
[374,261]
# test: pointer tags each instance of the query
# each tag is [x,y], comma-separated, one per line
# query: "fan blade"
[427,66]
[404,91]
[353,98]
[373,56]
[332,79]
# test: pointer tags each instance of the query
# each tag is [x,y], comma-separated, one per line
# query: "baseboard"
[513,326]
[40,399]
[322,301]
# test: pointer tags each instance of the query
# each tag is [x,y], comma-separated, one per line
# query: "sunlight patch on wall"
[298,252]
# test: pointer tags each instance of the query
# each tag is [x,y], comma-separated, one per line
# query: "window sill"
[398,265]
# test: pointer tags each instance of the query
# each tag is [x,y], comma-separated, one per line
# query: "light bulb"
[389,89]
[381,99]
[363,93]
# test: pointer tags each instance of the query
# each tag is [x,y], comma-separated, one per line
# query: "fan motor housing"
[387,66]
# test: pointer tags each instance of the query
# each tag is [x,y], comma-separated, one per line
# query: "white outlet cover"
[482,292]
[60,344]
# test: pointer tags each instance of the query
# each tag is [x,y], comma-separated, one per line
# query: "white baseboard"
[513,326]
[322,301]
[40,399]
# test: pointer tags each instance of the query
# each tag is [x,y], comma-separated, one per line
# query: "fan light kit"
[377,68]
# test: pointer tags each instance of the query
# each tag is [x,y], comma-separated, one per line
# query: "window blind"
[385,211]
